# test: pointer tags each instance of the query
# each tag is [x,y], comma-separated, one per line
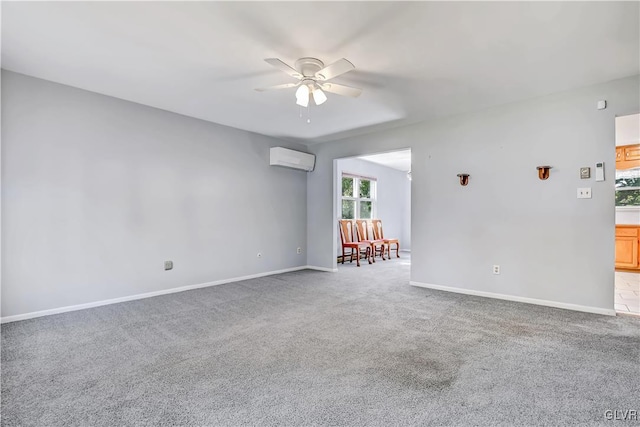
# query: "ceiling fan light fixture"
[318,96]
[303,102]
[302,96]
[312,76]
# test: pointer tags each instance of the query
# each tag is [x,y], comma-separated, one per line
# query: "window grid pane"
[348,209]
[347,186]
[365,210]
[365,188]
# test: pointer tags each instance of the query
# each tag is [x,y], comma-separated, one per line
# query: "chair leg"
[372,249]
[357,257]
[343,255]
[397,250]
[382,252]
[369,255]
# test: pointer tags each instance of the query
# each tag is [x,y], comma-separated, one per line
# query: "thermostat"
[600,171]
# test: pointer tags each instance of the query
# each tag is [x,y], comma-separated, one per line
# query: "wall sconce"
[464,178]
[543,172]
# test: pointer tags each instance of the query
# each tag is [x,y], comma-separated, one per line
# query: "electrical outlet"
[584,193]
[168,265]
[496,269]
[299,250]
[259,254]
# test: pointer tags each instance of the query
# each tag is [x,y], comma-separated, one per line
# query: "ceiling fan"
[312,78]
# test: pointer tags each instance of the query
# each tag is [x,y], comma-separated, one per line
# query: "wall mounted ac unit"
[280,156]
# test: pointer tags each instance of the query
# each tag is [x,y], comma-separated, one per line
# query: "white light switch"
[584,193]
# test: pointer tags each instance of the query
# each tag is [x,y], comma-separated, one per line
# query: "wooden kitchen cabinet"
[627,243]
[626,252]
[628,156]
[632,152]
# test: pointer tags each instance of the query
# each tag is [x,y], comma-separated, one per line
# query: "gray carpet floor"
[357,347]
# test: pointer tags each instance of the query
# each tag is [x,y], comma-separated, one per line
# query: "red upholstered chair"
[364,235]
[348,242]
[379,234]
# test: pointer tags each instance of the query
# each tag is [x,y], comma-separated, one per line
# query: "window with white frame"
[358,197]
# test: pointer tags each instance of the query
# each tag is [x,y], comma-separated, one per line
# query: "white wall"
[98,192]
[628,215]
[628,129]
[551,246]
[394,196]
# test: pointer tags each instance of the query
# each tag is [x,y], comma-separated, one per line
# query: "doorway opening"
[627,247]
[372,210]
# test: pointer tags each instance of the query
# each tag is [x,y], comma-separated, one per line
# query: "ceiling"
[414,60]
[400,160]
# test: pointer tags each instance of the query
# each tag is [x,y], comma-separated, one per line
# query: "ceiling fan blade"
[282,86]
[341,89]
[283,67]
[334,70]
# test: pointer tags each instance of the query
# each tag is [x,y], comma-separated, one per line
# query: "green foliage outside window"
[348,209]
[365,210]
[628,191]
[365,188]
[347,187]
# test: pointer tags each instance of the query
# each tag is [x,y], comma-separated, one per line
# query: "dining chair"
[379,235]
[348,242]
[363,234]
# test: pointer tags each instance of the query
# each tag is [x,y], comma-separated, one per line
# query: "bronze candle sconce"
[464,178]
[543,172]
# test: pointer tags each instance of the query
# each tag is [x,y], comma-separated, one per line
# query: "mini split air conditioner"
[281,156]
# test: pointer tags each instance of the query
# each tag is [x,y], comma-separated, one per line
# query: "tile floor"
[627,292]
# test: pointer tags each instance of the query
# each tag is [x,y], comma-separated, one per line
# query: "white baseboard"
[68,308]
[405,250]
[327,269]
[547,303]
